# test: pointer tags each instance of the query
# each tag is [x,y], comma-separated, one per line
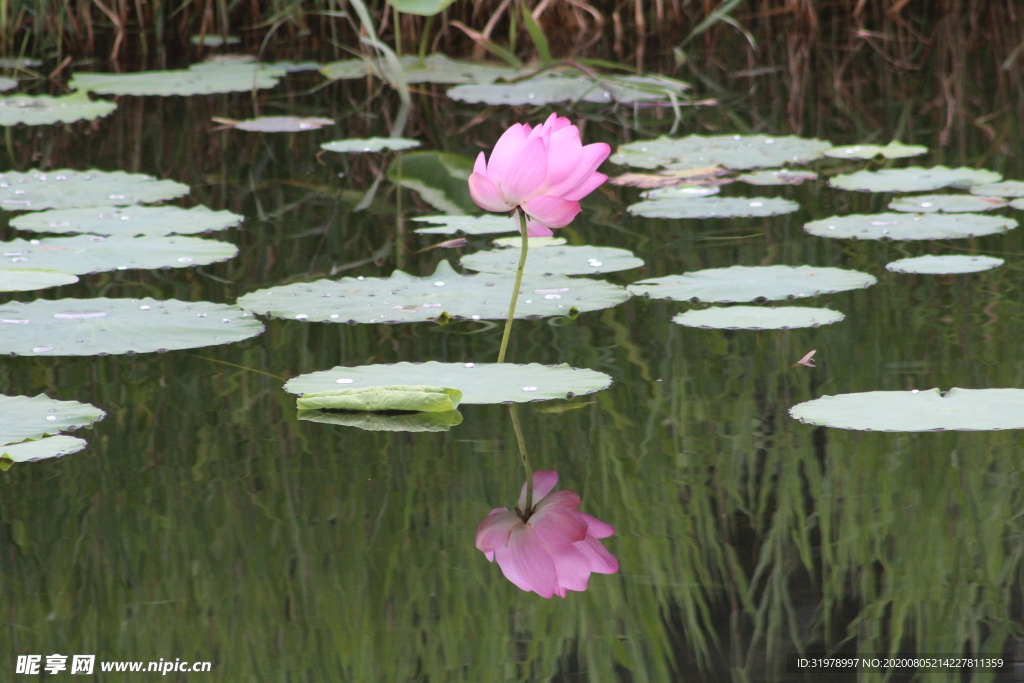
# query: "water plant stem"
[525,458]
[515,288]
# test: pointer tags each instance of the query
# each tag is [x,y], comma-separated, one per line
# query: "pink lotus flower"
[544,170]
[552,550]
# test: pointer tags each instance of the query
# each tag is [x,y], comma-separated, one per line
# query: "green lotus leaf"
[128,221]
[441,179]
[349,69]
[946,203]
[783,176]
[548,88]
[424,8]
[19,63]
[908,226]
[944,265]
[88,327]
[479,382]
[917,411]
[730,151]
[214,40]
[37,110]
[406,298]
[369,145]
[563,260]
[205,78]
[30,451]
[894,150]
[91,254]
[282,124]
[23,418]
[1007,188]
[415,398]
[468,225]
[1018,203]
[436,68]
[712,207]
[35,190]
[534,242]
[758,318]
[28,279]
[913,179]
[387,422]
[7,84]
[751,283]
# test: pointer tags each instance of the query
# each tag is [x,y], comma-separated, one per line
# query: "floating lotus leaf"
[758,318]
[662,206]
[417,399]
[946,203]
[468,225]
[214,40]
[88,327]
[556,87]
[777,177]
[534,242]
[1018,203]
[369,144]
[1007,188]
[349,69]
[205,78]
[378,422]
[688,181]
[440,179]
[751,283]
[944,265]
[23,418]
[554,260]
[730,151]
[37,110]
[282,124]
[7,84]
[651,181]
[84,254]
[917,411]
[30,451]
[479,382]
[405,298]
[913,179]
[34,190]
[127,221]
[435,69]
[908,226]
[894,150]
[19,62]
[28,279]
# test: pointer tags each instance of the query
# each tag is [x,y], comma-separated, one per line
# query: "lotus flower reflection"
[550,550]
[545,171]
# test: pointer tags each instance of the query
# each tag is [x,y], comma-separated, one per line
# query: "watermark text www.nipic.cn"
[86,664]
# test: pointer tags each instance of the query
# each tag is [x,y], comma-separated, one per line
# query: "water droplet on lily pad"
[128,221]
[946,203]
[85,189]
[83,254]
[566,260]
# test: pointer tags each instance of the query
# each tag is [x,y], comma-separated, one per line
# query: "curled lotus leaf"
[24,418]
[951,264]
[731,151]
[30,451]
[667,206]
[89,327]
[479,382]
[917,411]
[282,124]
[403,298]
[738,284]
[758,317]
[556,87]
[908,226]
[387,422]
[894,150]
[35,190]
[355,145]
[28,279]
[205,78]
[91,254]
[946,203]
[914,179]
[127,221]
[38,110]
[783,176]
[561,260]
[1007,188]
[488,224]
[417,398]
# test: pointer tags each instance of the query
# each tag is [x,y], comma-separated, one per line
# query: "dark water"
[205,522]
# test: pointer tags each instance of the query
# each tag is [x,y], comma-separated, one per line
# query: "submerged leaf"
[913,179]
[412,398]
[944,265]
[894,150]
[127,221]
[750,283]
[730,151]
[907,226]
[36,110]
[63,189]
[758,318]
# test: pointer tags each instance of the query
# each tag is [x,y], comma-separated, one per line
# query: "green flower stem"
[525,514]
[515,292]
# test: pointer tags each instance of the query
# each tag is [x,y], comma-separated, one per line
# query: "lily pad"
[488,224]
[917,411]
[30,451]
[751,283]
[913,179]
[479,382]
[7,84]
[127,221]
[1018,203]
[666,206]
[533,242]
[214,40]
[777,177]
[19,62]
[687,181]
[28,279]
[369,144]
[548,88]
[282,124]
[946,203]
[23,418]
[378,422]
[405,298]
[84,254]
[758,318]
[89,327]
[554,260]
[440,179]
[424,8]
[37,110]
[205,78]
[894,150]
[417,399]
[944,265]
[1007,188]
[907,226]
[34,190]
[436,68]
[730,151]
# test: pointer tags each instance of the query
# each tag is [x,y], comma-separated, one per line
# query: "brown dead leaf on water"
[807,360]
[702,177]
